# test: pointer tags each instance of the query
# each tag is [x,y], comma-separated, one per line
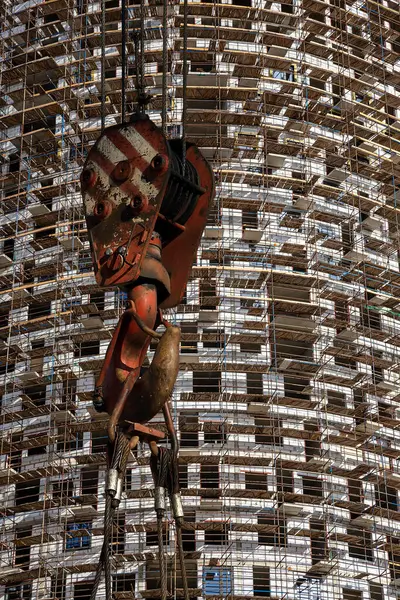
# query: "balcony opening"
[271,437]
[318,544]
[118,535]
[183,476]
[98,298]
[152,537]
[27,492]
[256,482]
[362,550]
[345,361]
[175,583]
[342,315]
[275,531]
[37,310]
[15,455]
[36,450]
[294,388]
[8,248]
[349,594]
[206,381]
[261,582]
[284,480]
[355,489]
[69,391]
[83,590]
[89,348]
[376,591]
[214,433]
[217,536]
[250,347]
[124,582]
[377,372]
[90,482]
[208,295]
[370,319]
[99,442]
[394,557]
[254,383]
[312,447]
[189,438]
[347,236]
[312,486]
[209,476]
[58,587]
[213,338]
[336,399]
[250,219]
[63,491]
[18,592]
[188,338]
[15,163]
[386,497]
[69,442]
[22,552]
[189,536]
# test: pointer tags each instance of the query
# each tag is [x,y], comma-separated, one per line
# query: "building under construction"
[287,400]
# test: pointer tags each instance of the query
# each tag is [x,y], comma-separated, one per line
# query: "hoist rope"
[103,65]
[164,468]
[184,82]
[142,56]
[108,523]
[140,62]
[160,467]
[165,67]
[118,463]
[137,69]
[123,60]
[161,560]
[182,558]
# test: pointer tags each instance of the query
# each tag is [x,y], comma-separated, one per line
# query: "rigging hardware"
[145,215]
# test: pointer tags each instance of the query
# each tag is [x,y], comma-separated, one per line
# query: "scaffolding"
[287,400]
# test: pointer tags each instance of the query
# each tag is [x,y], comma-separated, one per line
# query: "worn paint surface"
[123,187]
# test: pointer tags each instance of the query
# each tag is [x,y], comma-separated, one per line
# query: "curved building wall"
[287,397]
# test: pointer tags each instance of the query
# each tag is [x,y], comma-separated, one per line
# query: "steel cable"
[108,523]
[161,559]
[160,468]
[184,82]
[142,56]
[137,69]
[119,460]
[123,59]
[105,553]
[103,64]
[165,68]
[178,524]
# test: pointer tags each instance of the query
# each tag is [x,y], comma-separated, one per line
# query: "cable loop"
[119,460]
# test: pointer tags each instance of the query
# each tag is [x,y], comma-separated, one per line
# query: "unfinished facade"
[288,399]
